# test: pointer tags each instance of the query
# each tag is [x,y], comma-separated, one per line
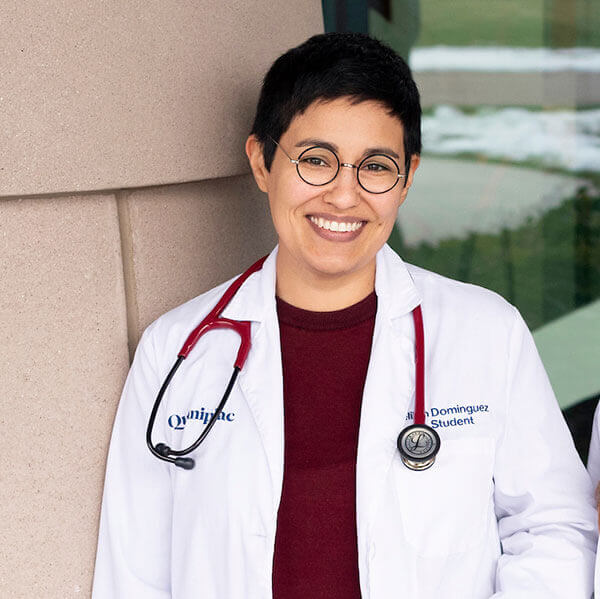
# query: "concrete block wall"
[124,191]
[180,240]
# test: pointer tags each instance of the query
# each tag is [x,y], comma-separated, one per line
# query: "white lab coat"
[593,467]
[505,512]
[593,463]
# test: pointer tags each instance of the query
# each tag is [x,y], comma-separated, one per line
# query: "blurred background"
[508,192]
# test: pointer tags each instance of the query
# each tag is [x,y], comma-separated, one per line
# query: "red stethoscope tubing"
[214,320]
[210,322]
[419,366]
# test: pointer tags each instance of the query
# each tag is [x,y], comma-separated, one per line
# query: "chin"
[333,265]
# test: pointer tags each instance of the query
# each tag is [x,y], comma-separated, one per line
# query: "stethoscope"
[418,443]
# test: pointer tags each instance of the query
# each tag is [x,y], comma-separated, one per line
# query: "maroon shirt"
[325,356]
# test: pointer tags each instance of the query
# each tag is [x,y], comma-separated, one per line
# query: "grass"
[482,23]
[525,23]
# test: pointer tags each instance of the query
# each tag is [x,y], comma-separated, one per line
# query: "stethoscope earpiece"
[163,449]
[167,453]
[185,463]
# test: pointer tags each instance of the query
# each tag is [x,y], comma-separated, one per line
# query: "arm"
[543,496]
[593,464]
[134,543]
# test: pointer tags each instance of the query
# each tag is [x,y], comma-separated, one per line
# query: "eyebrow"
[306,143]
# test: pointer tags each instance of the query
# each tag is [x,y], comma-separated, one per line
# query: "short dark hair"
[335,65]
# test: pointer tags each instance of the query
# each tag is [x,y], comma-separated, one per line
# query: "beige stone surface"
[551,90]
[181,240]
[112,94]
[63,356]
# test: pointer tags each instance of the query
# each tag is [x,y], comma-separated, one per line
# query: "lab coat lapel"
[389,386]
[389,389]
[261,379]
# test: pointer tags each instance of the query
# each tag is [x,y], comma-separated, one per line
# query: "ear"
[415,160]
[254,151]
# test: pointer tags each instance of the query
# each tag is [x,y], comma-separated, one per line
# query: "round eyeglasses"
[377,173]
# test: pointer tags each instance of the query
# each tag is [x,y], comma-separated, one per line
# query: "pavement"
[570,350]
[563,89]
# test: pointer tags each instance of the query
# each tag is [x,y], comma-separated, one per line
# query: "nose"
[344,191]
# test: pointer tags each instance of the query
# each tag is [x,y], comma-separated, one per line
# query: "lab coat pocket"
[447,509]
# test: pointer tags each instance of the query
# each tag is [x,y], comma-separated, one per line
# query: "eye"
[375,167]
[318,158]
[378,165]
[315,161]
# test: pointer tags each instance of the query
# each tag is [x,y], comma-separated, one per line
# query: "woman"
[300,489]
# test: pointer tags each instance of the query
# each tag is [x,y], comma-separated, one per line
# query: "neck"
[320,292]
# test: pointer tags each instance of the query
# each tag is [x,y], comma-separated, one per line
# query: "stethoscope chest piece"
[418,445]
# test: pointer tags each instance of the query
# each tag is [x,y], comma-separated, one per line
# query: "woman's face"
[303,213]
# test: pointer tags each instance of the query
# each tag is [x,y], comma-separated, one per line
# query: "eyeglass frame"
[296,161]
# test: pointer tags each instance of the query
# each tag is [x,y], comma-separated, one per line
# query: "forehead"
[347,124]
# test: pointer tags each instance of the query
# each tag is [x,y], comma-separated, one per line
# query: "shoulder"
[245,302]
[462,319]
[169,331]
[463,304]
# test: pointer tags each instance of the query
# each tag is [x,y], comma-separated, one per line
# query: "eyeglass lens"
[377,173]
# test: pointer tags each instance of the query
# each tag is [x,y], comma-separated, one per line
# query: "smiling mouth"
[332,225]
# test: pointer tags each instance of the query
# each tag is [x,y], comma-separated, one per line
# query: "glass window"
[508,192]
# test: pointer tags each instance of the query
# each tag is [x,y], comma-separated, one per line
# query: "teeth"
[332,225]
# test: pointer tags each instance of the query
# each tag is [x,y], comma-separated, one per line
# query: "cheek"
[288,197]
[387,214]
[286,200]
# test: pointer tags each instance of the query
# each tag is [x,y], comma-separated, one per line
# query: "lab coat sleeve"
[593,464]
[134,542]
[543,495]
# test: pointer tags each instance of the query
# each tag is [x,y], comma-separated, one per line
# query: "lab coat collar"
[255,299]
[396,292]
[262,387]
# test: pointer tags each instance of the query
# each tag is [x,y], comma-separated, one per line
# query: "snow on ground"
[561,139]
[504,59]
[452,198]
